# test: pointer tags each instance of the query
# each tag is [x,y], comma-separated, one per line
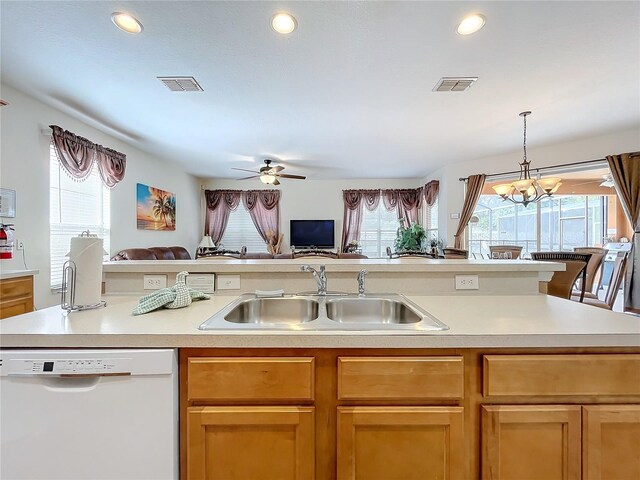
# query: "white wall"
[24,167]
[311,199]
[451,196]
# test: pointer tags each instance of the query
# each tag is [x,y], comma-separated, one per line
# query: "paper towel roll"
[86,252]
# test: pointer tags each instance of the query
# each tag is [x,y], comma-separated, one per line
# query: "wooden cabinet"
[388,414]
[531,442]
[16,296]
[401,443]
[243,443]
[611,442]
[568,442]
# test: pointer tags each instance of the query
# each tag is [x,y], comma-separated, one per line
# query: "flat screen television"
[311,233]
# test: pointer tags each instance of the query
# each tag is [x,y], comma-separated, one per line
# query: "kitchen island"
[513,375]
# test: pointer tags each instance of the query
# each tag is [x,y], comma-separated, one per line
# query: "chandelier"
[527,190]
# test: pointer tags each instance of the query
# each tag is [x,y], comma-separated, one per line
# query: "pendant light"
[527,190]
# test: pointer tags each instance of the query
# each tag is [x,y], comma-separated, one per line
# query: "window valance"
[77,156]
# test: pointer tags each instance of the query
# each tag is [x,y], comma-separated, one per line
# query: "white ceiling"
[349,91]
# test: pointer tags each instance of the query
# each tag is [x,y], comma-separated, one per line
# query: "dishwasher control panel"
[75,366]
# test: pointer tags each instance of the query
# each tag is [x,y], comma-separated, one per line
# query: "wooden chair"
[597,257]
[314,253]
[223,254]
[617,275]
[562,283]
[514,250]
[455,253]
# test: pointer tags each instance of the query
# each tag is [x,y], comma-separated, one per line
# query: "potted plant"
[412,238]
[436,244]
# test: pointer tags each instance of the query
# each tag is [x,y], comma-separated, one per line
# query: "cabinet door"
[401,443]
[246,443]
[611,442]
[531,442]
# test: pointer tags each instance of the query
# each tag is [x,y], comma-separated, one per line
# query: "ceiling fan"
[269,174]
[605,181]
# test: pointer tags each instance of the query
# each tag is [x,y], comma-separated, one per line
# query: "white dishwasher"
[88,414]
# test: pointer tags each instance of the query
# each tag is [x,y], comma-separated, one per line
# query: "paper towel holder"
[68,297]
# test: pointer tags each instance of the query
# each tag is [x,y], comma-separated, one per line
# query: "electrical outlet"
[228,282]
[155,282]
[19,245]
[467,282]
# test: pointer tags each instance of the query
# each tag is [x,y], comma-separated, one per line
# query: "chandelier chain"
[524,145]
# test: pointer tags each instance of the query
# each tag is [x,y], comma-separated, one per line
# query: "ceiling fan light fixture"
[268,179]
[126,23]
[283,23]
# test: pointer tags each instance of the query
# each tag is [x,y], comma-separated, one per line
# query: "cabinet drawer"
[400,378]
[561,375]
[18,306]
[251,378]
[16,287]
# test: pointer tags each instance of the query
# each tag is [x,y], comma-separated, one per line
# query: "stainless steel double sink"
[319,312]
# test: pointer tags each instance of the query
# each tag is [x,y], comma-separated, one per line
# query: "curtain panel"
[354,201]
[406,201]
[264,209]
[431,191]
[474,189]
[220,204]
[625,170]
[77,156]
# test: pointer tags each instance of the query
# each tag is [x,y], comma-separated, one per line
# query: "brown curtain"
[474,189]
[264,208]
[354,200]
[220,203]
[77,156]
[431,190]
[111,165]
[625,170]
[405,201]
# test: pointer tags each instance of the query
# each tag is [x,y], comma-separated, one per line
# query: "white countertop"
[4,274]
[332,265]
[475,322]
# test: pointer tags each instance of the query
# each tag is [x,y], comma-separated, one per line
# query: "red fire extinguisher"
[6,241]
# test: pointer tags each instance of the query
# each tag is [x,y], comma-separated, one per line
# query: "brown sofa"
[153,253]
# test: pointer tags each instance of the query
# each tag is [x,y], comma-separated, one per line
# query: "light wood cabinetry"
[611,442]
[385,414]
[531,442]
[242,443]
[16,296]
[401,443]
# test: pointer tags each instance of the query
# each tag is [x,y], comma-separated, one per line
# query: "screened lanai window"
[378,231]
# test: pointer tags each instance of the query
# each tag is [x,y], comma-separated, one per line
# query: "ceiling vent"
[454,84]
[181,84]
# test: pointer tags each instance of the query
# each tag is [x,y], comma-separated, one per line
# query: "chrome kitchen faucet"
[319,275]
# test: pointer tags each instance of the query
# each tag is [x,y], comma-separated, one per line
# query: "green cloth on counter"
[177,296]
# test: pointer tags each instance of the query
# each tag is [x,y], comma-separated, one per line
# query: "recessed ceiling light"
[126,22]
[471,24]
[284,23]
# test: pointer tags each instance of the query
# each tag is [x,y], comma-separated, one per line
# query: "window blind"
[73,208]
[242,232]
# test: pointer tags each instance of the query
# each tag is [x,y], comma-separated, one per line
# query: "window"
[430,220]
[378,231]
[73,208]
[241,232]
[558,223]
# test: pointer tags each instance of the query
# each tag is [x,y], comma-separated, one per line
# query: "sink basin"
[287,310]
[388,312]
[371,310]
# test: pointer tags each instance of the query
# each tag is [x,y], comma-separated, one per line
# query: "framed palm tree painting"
[156,209]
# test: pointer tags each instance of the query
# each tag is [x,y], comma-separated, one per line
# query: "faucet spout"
[361,275]
[319,275]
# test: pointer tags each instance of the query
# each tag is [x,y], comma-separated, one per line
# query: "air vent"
[181,84]
[454,84]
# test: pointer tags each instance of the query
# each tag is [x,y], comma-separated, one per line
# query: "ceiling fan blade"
[277,169]
[247,178]
[286,175]
[275,182]
[244,170]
